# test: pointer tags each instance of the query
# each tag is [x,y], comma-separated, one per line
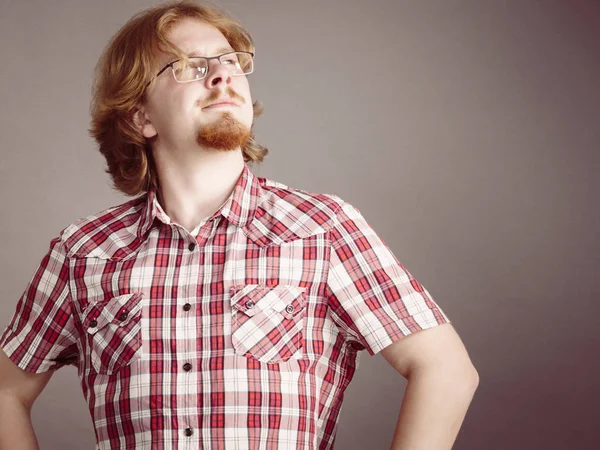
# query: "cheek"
[247,114]
[173,118]
[248,110]
[242,87]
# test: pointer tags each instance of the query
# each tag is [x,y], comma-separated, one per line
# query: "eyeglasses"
[196,67]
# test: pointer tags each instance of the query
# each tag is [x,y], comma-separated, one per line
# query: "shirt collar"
[239,209]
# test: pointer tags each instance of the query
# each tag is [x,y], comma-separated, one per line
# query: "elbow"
[471,377]
[475,378]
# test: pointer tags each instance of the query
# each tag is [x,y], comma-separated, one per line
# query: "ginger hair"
[122,74]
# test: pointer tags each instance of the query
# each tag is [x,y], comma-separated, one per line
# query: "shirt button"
[189,431]
[249,304]
[93,323]
[187,367]
[289,308]
[187,307]
[123,316]
[192,246]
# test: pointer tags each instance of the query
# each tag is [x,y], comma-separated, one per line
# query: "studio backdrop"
[465,131]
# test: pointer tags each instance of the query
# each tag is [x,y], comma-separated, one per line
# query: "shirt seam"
[68,283]
[328,291]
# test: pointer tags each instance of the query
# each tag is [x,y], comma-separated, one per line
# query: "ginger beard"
[224,133]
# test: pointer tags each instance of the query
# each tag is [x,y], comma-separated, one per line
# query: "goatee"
[226,133]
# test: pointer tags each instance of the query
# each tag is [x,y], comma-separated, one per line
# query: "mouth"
[224,104]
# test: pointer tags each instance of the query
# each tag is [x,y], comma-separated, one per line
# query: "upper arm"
[439,347]
[372,297]
[17,383]
[42,334]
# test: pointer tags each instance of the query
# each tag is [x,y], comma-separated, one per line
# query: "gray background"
[466,132]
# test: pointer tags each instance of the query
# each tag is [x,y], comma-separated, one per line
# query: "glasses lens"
[238,63]
[196,68]
[190,70]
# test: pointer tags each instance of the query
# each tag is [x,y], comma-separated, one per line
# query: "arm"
[18,391]
[40,338]
[374,300]
[441,385]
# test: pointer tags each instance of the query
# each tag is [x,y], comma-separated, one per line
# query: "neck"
[194,189]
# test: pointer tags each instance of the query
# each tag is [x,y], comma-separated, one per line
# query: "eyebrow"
[219,51]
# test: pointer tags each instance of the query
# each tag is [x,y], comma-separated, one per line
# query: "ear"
[142,122]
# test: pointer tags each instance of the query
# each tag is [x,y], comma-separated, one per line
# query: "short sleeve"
[373,298]
[41,334]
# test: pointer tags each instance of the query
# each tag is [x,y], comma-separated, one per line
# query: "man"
[217,310]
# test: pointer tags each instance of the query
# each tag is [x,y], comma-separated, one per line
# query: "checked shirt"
[242,334]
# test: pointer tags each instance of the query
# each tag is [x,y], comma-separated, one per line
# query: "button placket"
[191,269]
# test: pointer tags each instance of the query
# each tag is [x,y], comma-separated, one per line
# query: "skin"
[441,384]
[197,149]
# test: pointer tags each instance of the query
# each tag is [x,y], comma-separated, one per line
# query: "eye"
[197,64]
[230,59]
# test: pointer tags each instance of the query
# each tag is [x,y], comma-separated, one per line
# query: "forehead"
[193,36]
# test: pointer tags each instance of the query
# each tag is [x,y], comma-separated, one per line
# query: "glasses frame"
[207,58]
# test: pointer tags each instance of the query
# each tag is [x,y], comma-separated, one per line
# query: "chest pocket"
[114,332]
[268,321]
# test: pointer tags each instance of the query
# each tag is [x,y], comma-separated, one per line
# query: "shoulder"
[110,233]
[276,194]
[287,213]
[283,214]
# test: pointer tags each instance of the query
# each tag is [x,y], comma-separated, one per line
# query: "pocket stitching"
[259,291]
[108,311]
[296,316]
[97,344]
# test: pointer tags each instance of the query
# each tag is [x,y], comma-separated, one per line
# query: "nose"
[217,74]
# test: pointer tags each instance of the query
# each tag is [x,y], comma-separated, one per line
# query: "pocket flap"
[288,300]
[120,309]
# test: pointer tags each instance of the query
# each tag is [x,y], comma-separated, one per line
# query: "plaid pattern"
[242,334]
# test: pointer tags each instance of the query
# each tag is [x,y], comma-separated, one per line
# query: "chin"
[225,133]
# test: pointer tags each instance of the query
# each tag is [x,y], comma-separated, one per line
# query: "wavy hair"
[126,66]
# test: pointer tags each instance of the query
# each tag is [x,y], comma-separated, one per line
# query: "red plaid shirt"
[243,334]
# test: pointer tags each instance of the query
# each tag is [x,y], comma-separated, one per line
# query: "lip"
[221,103]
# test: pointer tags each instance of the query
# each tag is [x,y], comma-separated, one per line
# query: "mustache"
[215,95]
